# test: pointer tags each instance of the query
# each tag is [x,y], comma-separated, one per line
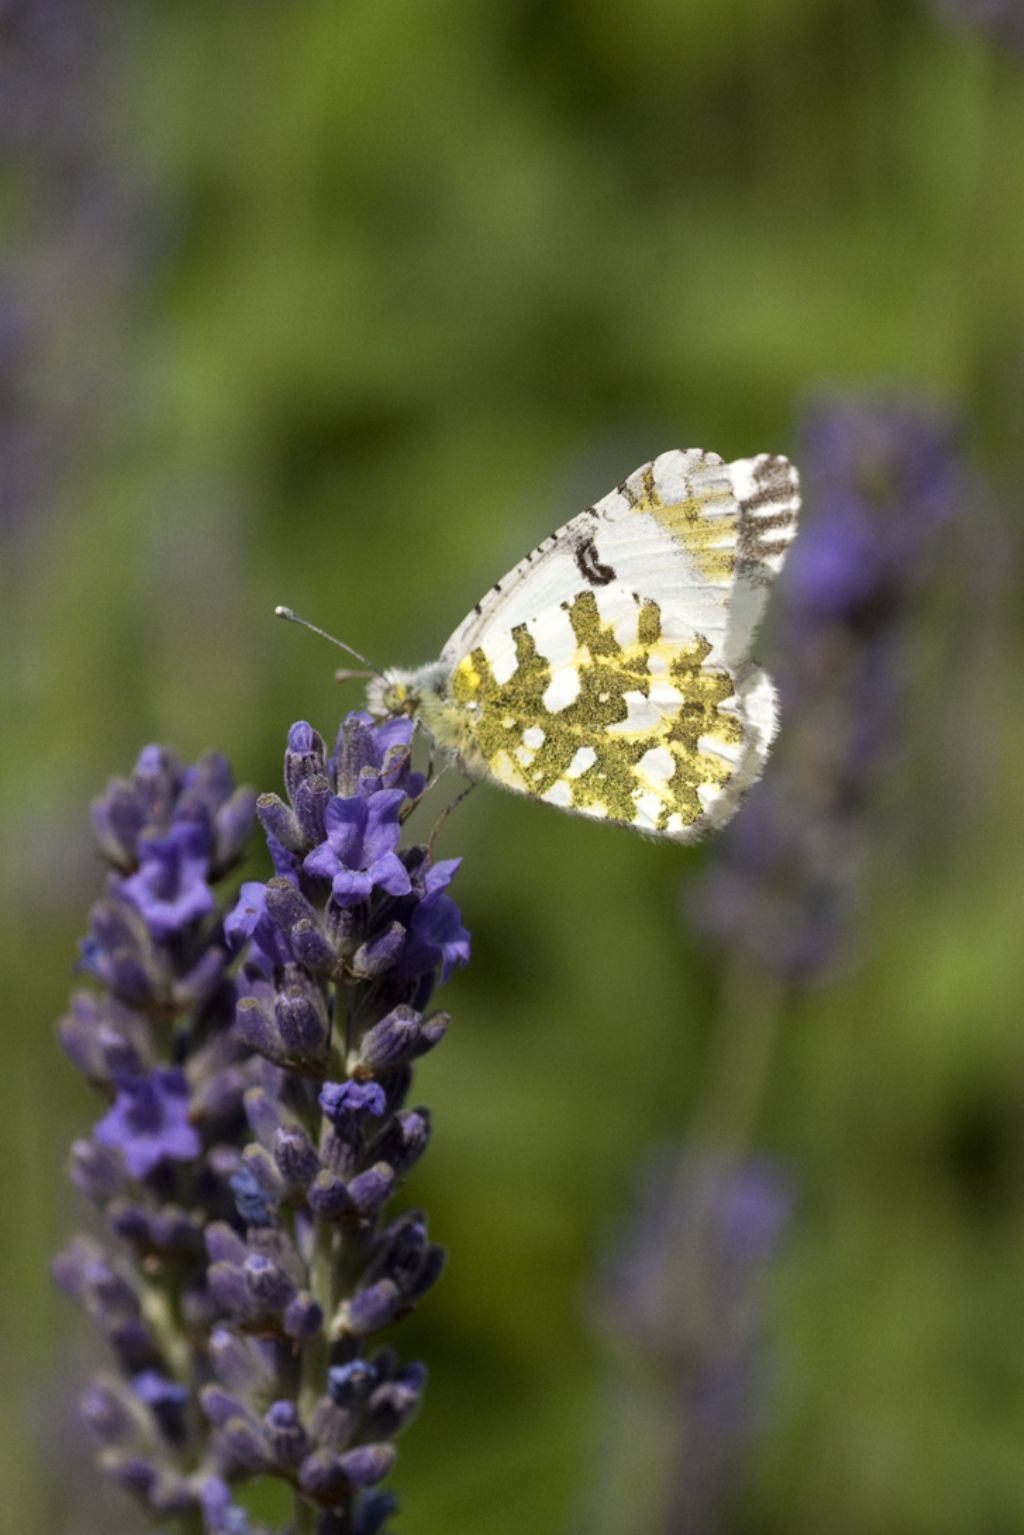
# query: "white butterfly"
[609,673]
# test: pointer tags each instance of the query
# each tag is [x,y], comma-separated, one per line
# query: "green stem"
[739,1057]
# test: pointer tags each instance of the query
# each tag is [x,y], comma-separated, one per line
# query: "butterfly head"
[397,692]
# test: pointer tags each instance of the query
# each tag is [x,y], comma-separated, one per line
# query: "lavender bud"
[280,822]
[129,1221]
[229,1289]
[369,1464]
[263,1115]
[131,1341]
[304,758]
[395,1402]
[117,819]
[224,1245]
[108,1414]
[287,905]
[173,1230]
[430,1272]
[220,1406]
[252,1202]
[232,824]
[284,1430]
[389,1042]
[402,1250]
[312,949]
[166,1399]
[396,1084]
[269,1285]
[432,1033]
[374,1512]
[96,1171]
[342,925]
[238,1361]
[304,1316]
[218,1096]
[378,955]
[369,1310]
[355,753]
[300,1024]
[323,1478]
[134,1473]
[246,1443]
[296,1157]
[330,1425]
[258,1029]
[118,1055]
[311,800]
[403,1140]
[372,1188]
[261,1165]
[351,1383]
[328,1196]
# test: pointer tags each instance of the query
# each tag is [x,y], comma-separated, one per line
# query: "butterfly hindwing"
[608,707]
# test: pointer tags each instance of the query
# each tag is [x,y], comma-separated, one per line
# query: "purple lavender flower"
[170,889]
[882,480]
[359,853]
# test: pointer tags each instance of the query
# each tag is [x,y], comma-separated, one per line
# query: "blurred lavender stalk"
[257,1130]
[882,478]
[84,234]
[689,1342]
[1003,20]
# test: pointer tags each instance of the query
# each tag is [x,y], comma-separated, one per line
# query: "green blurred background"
[345,304]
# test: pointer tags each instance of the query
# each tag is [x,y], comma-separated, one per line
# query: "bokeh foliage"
[410,284]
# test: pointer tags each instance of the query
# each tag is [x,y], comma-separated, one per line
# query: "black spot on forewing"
[589,565]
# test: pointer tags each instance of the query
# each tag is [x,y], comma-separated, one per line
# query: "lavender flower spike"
[155,1037]
[256,1128]
[340,953]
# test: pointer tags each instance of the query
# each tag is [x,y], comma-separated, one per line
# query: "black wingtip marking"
[589,565]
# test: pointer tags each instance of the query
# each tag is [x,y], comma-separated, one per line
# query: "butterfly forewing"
[609,673]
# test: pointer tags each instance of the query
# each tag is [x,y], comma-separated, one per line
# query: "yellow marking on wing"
[607,672]
[709,539]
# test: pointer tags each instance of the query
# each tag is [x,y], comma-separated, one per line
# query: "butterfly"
[609,673]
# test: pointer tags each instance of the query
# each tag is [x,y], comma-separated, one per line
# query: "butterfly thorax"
[422,694]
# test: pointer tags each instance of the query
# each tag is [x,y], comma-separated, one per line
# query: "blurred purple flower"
[170,888]
[149,1121]
[1004,19]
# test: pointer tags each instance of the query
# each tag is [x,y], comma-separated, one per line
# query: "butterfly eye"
[394,698]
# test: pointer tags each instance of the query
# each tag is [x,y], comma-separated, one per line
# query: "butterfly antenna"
[293,618]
